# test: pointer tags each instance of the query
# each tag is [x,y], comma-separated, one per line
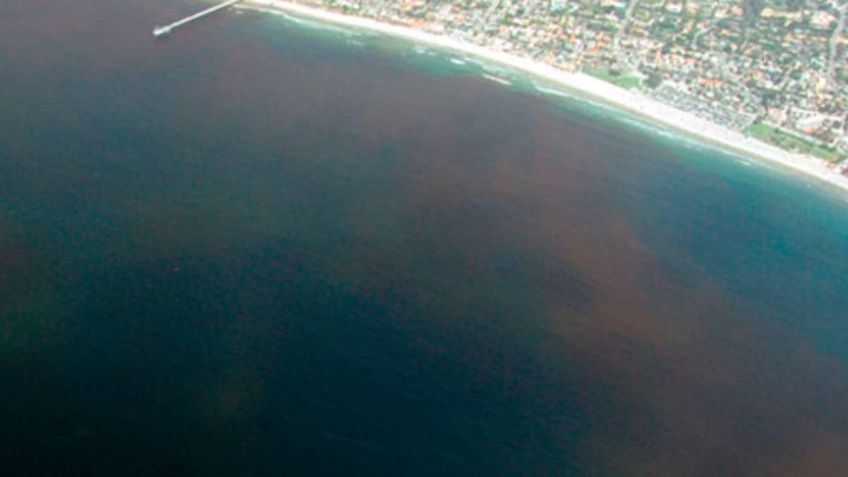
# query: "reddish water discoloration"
[487,219]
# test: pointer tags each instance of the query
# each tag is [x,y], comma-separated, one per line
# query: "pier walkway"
[167,29]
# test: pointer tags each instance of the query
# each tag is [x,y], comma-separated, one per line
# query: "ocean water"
[260,248]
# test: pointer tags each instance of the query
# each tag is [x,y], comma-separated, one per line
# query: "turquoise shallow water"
[261,249]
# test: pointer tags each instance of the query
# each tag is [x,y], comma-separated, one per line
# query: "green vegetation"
[615,77]
[654,80]
[791,142]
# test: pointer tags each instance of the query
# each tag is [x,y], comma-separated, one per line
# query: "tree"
[654,80]
[752,10]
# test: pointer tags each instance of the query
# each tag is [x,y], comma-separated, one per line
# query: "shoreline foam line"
[582,84]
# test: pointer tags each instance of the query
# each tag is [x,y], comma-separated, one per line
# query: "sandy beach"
[582,84]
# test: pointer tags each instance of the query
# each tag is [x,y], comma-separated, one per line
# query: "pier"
[167,29]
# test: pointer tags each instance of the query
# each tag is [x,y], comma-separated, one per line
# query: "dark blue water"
[255,249]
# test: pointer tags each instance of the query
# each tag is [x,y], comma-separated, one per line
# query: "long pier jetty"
[167,29]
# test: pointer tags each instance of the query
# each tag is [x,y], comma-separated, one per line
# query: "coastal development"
[771,81]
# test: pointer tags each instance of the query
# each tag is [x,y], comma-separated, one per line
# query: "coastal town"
[775,71]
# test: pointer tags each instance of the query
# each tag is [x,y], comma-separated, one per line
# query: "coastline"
[581,84]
